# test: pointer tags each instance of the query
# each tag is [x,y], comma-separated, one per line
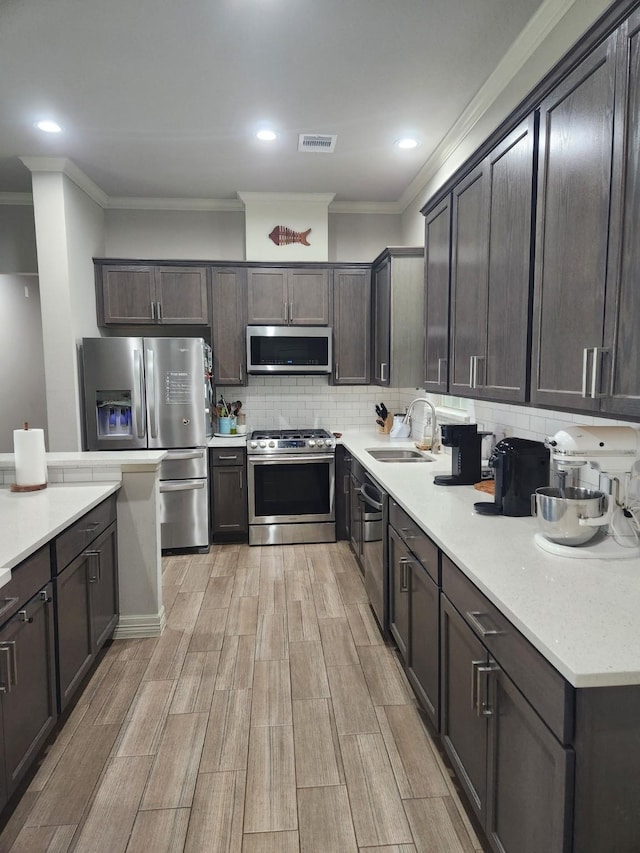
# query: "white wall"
[360,237]
[22,387]
[17,239]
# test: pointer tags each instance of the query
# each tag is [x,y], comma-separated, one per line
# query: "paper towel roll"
[29,456]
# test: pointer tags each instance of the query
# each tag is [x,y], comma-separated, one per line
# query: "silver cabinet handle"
[585,368]
[597,360]
[8,604]
[404,573]
[228,525]
[406,531]
[240,374]
[94,557]
[383,371]
[441,361]
[337,371]
[291,312]
[474,617]
[10,671]
[159,311]
[286,312]
[474,683]
[483,676]
[227,458]
[44,596]
[153,310]
[23,616]
[472,360]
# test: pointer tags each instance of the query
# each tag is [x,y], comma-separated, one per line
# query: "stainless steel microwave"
[289,349]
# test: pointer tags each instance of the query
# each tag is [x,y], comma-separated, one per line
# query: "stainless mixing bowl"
[559,513]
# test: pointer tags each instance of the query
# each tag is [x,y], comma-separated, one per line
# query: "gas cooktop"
[290,441]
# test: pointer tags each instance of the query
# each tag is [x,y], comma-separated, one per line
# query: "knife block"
[386,429]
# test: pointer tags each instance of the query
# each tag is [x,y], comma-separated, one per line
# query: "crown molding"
[198,204]
[16,199]
[298,198]
[541,24]
[74,173]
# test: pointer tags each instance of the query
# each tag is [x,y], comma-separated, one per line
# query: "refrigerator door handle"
[184,454]
[139,393]
[181,485]
[151,391]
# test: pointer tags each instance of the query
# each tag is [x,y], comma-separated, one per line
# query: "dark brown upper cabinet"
[228,310]
[134,294]
[437,272]
[351,326]
[491,272]
[577,227]
[288,296]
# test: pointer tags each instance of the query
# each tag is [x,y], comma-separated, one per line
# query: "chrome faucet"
[434,425]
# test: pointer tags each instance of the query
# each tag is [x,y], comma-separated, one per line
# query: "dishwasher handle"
[369,499]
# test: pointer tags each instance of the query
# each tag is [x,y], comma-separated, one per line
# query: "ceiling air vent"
[318,143]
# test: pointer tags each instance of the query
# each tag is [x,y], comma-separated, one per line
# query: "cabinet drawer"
[70,543]
[227,456]
[415,539]
[549,693]
[27,579]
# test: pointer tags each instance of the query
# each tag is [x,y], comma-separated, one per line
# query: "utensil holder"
[386,429]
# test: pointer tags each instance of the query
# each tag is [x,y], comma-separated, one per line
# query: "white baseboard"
[143,625]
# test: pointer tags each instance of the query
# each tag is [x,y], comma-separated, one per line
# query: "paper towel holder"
[32,487]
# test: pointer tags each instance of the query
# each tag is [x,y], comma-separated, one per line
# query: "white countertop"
[30,519]
[228,441]
[582,615]
[98,458]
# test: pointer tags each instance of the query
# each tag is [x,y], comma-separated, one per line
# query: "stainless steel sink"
[399,456]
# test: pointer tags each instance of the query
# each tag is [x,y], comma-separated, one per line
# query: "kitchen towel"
[29,456]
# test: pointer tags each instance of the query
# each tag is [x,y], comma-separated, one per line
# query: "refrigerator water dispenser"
[114,413]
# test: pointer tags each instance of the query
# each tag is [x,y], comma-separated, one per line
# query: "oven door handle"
[293,459]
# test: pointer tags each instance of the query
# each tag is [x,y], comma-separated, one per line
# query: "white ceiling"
[162,98]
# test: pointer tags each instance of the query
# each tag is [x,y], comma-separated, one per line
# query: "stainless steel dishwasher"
[374,502]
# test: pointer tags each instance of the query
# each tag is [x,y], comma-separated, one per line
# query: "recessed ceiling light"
[407,142]
[267,135]
[48,126]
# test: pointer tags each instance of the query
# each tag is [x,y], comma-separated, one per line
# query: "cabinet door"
[229,497]
[267,297]
[308,293]
[503,374]
[462,726]
[400,564]
[531,789]
[469,268]
[75,641]
[355,518]
[343,469]
[382,324]
[423,666]
[228,294]
[437,271]
[182,295]
[125,295]
[620,376]
[103,584]
[574,193]
[351,327]
[28,674]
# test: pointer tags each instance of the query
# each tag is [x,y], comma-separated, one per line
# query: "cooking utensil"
[559,513]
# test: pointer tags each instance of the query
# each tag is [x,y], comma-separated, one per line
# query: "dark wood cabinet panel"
[228,309]
[423,666]
[576,147]
[437,271]
[228,484]
[148,294]
[27,702]
[103,583]
[280,296]
[351,327]
[382,323]
[400,561]
[343,490]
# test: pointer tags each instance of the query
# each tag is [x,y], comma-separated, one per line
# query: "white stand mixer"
[612,451]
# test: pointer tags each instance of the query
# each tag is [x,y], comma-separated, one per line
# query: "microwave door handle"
[138,392]
[151,389]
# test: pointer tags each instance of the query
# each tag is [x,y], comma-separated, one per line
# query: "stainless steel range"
[291,477]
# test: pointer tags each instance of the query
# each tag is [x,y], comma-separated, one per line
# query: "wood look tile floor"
[270,717]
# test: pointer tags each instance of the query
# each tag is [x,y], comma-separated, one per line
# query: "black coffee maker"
[466,454]
[520,467]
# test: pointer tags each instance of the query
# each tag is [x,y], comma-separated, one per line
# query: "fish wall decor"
[283,236]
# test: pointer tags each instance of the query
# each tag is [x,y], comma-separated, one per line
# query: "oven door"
[290,489]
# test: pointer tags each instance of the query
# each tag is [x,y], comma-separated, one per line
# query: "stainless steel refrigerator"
[156,393]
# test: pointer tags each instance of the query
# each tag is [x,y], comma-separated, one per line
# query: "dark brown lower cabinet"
[399,563]
[27,687]
[517,774]
[229,505]
[343,493]
[87,605]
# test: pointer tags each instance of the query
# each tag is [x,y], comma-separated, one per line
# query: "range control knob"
[328,443]
[312,442]
[263,444]
[253,444]
[319,442]
[272,444]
